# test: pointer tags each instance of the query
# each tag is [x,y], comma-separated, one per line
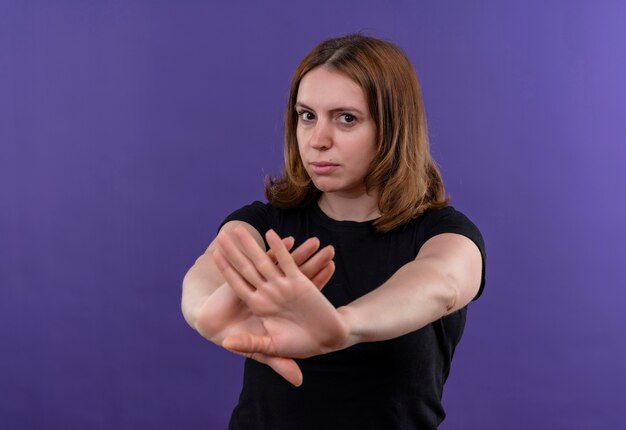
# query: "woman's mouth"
[323,167]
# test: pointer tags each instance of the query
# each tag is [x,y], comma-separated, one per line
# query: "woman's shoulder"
[450,220]
[263,215]
[433,222]
[446,220]
[258,214]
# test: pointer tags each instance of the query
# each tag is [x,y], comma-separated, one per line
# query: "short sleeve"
[259,215]
[449,220]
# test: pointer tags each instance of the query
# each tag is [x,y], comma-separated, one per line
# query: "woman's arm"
[300,322]
[203,278]
[444,277]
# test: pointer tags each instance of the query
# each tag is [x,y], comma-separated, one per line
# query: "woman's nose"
[321,138]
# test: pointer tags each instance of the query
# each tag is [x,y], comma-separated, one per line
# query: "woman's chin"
[326,187]
[321,185]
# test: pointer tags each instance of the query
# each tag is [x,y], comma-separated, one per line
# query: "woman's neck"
[341,208]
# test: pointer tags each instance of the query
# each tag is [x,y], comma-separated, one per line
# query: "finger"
[302,253]
[305,250]
[256,255]
[240,286]
[285,262]
[323,276]
[285,367]
[288,242]
[248,343]
[318,262]
[238,260]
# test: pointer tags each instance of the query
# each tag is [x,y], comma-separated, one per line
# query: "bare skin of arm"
[299,322]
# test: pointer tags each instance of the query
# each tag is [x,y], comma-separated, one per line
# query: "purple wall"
[128,130]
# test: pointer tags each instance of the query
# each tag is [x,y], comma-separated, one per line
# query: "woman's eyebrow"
[334,110]
[302,105]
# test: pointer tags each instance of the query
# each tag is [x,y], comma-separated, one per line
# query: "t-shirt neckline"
[327,221]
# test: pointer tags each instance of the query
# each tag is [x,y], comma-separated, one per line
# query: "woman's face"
[336,135]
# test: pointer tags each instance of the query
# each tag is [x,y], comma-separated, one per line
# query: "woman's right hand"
[223,313]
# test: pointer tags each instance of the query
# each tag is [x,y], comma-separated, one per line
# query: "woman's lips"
[323,167]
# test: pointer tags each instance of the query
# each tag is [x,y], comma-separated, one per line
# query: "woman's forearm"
[413,297]
[443,278]
[202,279]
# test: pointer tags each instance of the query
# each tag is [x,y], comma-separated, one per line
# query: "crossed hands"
[270,308]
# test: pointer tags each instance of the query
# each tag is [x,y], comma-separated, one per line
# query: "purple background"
[128,130]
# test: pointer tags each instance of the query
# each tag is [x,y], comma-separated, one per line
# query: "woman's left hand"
[297,319]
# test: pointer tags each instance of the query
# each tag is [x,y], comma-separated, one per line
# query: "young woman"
[356,327]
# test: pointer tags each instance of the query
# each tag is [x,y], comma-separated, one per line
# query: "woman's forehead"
[322,88]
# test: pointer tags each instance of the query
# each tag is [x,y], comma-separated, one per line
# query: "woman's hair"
[402,169]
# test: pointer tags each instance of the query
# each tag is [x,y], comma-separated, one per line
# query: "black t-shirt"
[392,384]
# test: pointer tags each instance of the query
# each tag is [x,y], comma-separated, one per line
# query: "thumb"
[246,343]
[285,367]
[254,347]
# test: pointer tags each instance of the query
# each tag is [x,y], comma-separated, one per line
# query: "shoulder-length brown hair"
[403,170]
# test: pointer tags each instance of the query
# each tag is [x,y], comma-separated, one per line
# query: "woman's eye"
[306,116]
[346,118]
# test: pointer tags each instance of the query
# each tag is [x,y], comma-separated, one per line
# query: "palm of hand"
[223,313]
[297,320]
